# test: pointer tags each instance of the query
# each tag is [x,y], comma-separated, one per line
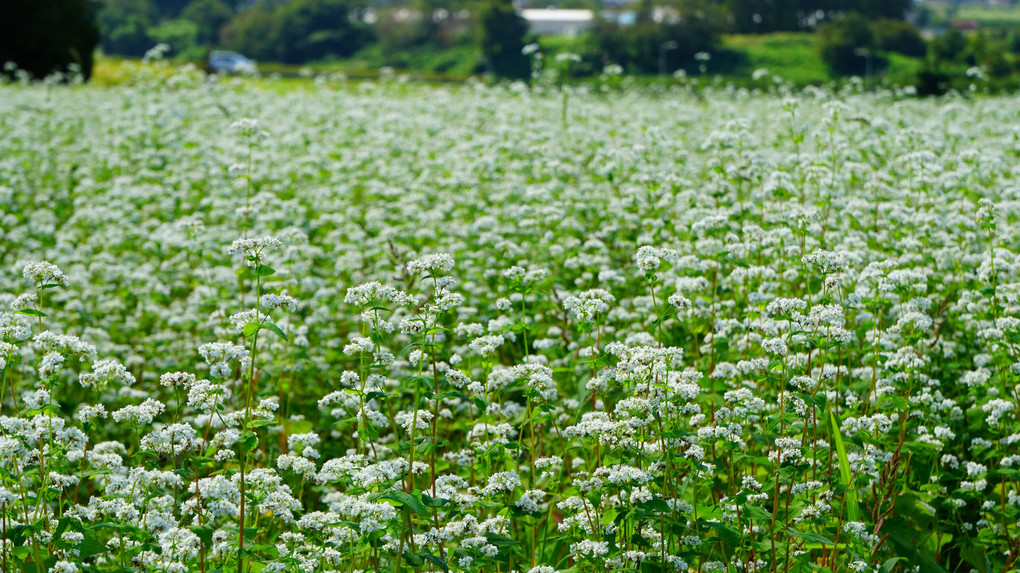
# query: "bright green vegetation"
[792,56]
[901,70]
[455,61]
[336,325]
[983,14]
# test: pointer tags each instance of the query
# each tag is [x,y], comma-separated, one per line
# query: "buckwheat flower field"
[384,327]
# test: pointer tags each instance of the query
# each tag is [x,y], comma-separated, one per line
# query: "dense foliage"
[306,30]
[760,16]
[386,327]
[842,43]
[43,38]
[300,30]
[503,34]
[638,47]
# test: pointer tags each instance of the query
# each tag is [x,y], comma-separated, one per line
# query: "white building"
[556,22]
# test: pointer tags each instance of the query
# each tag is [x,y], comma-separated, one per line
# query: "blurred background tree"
[765,16]
[503,33]
[127,26]
[846,44]
[46,36]
[298,31]
[209,17]
[666,36]
[898,36]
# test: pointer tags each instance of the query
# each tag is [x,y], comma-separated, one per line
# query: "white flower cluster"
[437,265]
[253,249]
[44,273]
[589,304]
[649,258]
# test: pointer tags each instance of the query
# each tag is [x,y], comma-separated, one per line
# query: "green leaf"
[204,533]
[154,547]
[722,345]
[656,504]
[264,271]
[844,469]
[249,441]
[402,497]
[726,535]
[499,540]
[910,547]
[31,312]
[274,329]
[887,567]
[18,533]
[413,560]
[90,546]
[437,560]
[654,567]
[757,515]
[365,429]
[810,536]
[429,501]
[251,328]
[22,551]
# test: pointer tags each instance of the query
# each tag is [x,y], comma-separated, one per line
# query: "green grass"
[985,16]
[457,60]
[794,57]
[790,55]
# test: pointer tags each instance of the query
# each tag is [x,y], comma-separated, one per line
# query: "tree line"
[52,35]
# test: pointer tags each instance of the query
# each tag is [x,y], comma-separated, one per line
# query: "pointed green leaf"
[437,560]
[402,497]
[810,536]
[844,470]
[887,567]
[413,560]
[499,540]
[275,329]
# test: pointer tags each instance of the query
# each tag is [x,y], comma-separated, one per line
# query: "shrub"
[840,42]
[209,16]
[951,46]
[125,26]
[638,47]
[299,31]
[503,33]
[900,37]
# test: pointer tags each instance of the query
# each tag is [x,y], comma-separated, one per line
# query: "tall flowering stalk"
[250,324]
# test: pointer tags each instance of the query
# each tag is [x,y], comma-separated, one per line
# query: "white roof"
[557,15]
